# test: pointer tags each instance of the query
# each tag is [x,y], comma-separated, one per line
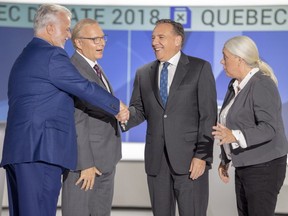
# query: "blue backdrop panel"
[130,48]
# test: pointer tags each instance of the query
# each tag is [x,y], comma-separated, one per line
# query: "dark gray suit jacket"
[256,111]
[98,136]
[185,126]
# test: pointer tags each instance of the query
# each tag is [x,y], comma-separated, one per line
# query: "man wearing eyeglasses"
[89,189]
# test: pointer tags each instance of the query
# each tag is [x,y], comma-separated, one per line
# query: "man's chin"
[99,56]
[158,56]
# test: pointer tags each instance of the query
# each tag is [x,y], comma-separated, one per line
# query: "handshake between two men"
[124,114]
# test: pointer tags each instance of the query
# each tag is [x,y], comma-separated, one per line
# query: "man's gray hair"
[46,14]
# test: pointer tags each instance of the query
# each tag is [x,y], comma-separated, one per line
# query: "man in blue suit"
[40,140]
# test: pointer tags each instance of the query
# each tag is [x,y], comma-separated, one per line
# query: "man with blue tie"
[176,95]
[40,139]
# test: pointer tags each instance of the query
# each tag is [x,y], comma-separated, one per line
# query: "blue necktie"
[164,82]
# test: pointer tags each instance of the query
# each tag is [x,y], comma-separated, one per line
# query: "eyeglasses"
[96,40]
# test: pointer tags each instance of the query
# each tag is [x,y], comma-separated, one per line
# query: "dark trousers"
[33,188]
[257,187]
[96,202]
[167,187]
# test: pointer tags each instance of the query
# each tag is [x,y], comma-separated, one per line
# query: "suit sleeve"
[137,114]
[207,113]
[266,107]
[65,76]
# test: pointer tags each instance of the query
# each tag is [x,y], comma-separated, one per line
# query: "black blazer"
[185,125]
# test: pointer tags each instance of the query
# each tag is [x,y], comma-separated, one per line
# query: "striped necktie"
[98,71]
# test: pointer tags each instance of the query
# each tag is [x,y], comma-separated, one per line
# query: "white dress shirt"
[173,62]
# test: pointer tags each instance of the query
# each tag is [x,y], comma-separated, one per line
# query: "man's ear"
[178,40]
[78,43]
[50,29]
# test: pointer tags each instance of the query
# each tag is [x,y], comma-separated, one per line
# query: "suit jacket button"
[165,116]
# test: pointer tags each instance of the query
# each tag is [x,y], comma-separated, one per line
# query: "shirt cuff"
[241,141]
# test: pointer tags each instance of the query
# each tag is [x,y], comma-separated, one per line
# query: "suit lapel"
[97,78]
[154,81]
[180,73]
[87,71]
[109,85]
[182,69]
[229,95]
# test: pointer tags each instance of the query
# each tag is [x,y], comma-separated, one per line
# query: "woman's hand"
[223,134]
[223,172]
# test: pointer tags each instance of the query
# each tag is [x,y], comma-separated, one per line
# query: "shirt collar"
[175,59]
[237,87]
[91,63]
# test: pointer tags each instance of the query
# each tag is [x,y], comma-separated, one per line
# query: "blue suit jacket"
[40,124]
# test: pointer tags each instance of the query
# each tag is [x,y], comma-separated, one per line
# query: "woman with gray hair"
[250,129]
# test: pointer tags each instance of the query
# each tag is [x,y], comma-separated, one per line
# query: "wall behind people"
[129,41]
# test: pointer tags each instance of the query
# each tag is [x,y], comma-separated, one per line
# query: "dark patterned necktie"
[164,82]
[98,71]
